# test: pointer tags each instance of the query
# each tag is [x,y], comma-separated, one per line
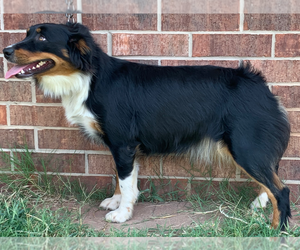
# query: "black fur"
[162,110]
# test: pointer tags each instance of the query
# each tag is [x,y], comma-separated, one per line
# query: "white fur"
[73,90]
[260,201]
[111,203]
[129,193]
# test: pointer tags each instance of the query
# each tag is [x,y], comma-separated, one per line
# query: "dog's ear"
[80,47]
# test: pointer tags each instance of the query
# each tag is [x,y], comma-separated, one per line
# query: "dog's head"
[51,49]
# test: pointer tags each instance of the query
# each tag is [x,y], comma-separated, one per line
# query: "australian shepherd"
[206,112]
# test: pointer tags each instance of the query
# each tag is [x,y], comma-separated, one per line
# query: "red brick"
[57,163]
[24,21]
[200,6]
[101,40]
[294,118]
[38,116]
[275,6]
[289,170]
[262,21]
[10,138]
[167,189]
[96,182]
[120,21]
[206,188]
[150,44]
[289,95]
[88,183]
[148,62]
[293,149]
[10,38]
[1,68]
[231,45]
[294,193]
[116,6]
[40,98]
[287,45]
[199,22]
[183,167]
[223,63]
[5,163]
[149,166]
[212,189]
[35,6]
[15,91]
[279,70]
[65,139]
[101,164]
[3,120]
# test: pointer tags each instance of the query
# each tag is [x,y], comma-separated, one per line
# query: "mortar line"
[2,14]
[190,45]
[161,166]
[36,140]
[31,104]
[109,43]
[242,15]
[8,115]
[86,160]
[145,32]
[273,45]
[37,127]
[61,151]
[159,15]
[33,92]
[12,165]
[79,8]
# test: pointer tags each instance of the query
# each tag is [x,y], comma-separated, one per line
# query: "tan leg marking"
[276,212]
[117,190]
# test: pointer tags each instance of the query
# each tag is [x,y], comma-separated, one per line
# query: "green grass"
[27,198]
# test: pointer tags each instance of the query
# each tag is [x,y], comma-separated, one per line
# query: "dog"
[206,112]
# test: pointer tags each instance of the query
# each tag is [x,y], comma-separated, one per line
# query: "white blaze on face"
[129,195]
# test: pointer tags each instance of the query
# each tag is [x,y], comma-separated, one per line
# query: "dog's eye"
[42,38]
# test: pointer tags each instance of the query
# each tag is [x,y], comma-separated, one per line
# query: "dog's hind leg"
[261,200]
[127,169]
[113,202]
[257,163]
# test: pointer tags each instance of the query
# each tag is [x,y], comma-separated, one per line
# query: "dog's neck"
[73,90]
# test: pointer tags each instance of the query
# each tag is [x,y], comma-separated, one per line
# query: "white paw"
[120,215]
[260,201]
[111,203]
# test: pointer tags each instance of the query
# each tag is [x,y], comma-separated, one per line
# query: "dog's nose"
[8,52]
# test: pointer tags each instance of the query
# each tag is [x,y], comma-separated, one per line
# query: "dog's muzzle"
[8,53]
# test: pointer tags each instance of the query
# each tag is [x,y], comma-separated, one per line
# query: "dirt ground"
[149,215]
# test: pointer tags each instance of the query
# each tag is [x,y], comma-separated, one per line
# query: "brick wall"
[159,32]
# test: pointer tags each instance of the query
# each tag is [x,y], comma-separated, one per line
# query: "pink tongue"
[14,70]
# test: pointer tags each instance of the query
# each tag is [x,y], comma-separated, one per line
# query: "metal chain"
[70,11]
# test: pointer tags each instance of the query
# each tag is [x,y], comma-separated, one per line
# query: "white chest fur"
[73,90]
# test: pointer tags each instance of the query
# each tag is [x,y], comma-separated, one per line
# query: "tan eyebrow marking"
[38,30]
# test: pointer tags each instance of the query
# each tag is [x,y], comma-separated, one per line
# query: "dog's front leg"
[127,169]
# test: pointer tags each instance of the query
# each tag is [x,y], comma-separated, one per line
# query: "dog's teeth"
[33,67]
[38,66]
[22,71]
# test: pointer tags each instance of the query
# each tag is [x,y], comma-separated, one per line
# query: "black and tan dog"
[204,111]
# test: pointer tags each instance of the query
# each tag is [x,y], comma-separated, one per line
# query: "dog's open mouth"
[23,71]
